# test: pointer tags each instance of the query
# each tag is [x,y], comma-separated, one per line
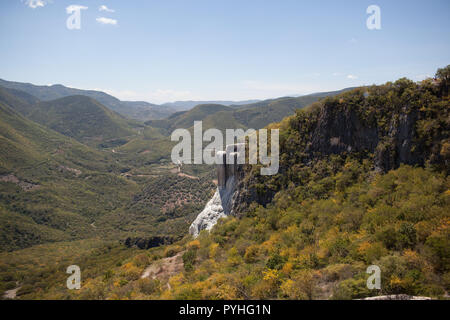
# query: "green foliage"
[443,75]
[275,262]
[189,259]
[40,271]
[81,118]
[321,245]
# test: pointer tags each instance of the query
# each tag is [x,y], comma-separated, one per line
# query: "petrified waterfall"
[221,203]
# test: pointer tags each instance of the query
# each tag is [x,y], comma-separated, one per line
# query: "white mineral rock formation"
[221,203]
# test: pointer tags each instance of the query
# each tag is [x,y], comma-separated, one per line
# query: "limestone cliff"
[390,125]
[221,204]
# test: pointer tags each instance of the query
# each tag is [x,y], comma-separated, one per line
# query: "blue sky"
[221,49]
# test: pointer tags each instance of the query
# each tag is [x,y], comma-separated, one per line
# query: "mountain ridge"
[254,115]
[136,110]
[188,104]
[80,117]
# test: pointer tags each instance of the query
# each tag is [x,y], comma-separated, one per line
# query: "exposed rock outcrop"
[396,148]
[388,134]
[221,204]
[26,186]
[338,132]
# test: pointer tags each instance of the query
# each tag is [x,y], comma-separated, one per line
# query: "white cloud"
[104,20]
[353,40]
[335,74]
[36,3]
[105,8]
[352,77]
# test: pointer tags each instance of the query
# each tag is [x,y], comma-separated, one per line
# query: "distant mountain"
[142,111]
[254,115]
[186,105]
[47,93]
[185,119]
[323,93]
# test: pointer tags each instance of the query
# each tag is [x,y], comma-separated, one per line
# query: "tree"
[443,74]
[189,259]
[303,285]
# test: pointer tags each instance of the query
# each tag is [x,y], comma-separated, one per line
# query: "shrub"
[189,259]
[148,286]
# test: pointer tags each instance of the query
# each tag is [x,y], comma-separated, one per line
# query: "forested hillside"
[54,188]
[81,118]
[363,180]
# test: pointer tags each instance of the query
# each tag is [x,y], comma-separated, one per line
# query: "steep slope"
[20,101]
[81,118]
[261,114]
[29,143]
[51,186]
[20,146]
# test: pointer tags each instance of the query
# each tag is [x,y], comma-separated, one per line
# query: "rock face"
[388,136]
[337,132]
[221,204]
